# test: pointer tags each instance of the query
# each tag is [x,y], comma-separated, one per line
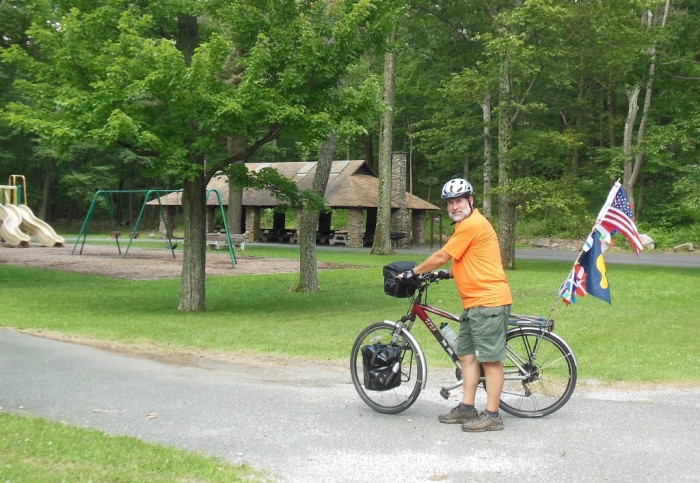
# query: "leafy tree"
[173,81]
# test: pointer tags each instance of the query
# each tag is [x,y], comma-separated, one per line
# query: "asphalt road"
[305,423]
[648,257]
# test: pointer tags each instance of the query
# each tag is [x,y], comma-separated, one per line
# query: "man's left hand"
[408,275]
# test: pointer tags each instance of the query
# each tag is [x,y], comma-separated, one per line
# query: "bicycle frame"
[422,311]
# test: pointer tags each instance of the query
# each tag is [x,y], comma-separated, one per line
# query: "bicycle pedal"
[445,393]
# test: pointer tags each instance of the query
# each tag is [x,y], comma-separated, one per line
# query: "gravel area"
[142,263]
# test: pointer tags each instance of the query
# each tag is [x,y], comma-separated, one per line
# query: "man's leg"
[490,324]
[470,378]
[494,384]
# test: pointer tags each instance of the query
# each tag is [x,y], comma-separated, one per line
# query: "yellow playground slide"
[16,218]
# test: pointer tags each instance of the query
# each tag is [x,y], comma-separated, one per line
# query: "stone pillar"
[399,216]
[356,230]
[210,225]
[252,224]
[418,218]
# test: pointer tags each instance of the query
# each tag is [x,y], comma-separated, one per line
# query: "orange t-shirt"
[476,263]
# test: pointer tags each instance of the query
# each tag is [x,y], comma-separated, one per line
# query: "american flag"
[616,215]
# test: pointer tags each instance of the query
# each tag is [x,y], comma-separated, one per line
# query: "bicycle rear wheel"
[400,398]
[540,373]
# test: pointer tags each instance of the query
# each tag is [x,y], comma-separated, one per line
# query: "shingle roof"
[352,184]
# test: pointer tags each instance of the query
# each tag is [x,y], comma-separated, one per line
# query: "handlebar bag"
[398,288]
[381,365]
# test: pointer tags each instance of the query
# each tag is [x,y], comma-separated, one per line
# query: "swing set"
[148,194]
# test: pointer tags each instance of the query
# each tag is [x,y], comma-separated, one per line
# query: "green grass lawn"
[642,337]
[648,335]
[33,449]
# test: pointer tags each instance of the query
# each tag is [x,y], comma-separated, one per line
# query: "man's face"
[459,208]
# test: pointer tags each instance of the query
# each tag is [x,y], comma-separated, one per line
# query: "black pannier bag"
[398,289]
[382,366]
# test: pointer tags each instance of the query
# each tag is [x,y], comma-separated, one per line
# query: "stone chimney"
[400,222]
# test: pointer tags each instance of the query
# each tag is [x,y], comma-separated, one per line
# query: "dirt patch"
[143,263]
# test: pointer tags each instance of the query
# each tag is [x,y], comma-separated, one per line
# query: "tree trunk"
[632,109]
[506,207]
[369,151]
[382,232]
[49,172]
[578,124]
[187,36]
[308,268]
[192,293]
[234,215]
[465,166]
[632,171]
[612,109]
[488,155]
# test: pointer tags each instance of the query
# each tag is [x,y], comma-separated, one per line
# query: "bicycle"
[540,368]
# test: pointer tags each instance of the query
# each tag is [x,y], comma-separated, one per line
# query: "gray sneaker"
[483,422]
[458,416]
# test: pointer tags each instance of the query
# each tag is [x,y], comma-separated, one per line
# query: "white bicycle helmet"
[456,188]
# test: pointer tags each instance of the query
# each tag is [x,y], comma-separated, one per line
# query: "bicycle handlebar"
[424,279]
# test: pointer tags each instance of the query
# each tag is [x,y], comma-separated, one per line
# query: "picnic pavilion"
[352,186]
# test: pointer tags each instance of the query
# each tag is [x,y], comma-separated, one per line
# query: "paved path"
[647,257]
[669,259]
[305,423]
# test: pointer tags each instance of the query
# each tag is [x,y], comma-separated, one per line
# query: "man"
[478,272]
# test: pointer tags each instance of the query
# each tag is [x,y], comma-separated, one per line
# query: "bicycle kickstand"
[445,391]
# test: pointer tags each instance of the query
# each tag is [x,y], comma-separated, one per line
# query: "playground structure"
[148,194]
[17,221]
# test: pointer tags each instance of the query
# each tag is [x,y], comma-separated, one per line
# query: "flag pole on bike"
[589,274]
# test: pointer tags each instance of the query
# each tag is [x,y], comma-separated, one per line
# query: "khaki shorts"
[482,332]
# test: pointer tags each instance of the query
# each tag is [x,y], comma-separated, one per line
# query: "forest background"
[542,104]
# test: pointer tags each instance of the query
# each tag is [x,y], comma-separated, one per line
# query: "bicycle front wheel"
[540,373]
[399,398]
